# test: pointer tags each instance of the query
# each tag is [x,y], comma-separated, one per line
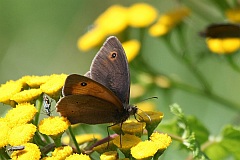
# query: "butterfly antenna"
[149,98]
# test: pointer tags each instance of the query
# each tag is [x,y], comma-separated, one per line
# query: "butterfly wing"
[110,68]
[80,85]
[87,109]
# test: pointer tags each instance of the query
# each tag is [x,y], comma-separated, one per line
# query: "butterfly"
[102,94]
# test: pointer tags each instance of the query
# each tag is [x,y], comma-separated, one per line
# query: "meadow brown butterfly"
[102,95]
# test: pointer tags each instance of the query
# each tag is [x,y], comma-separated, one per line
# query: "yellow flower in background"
[223,46]
[8,89]
[167,21]
[162,81]
[111,155]
[145,149]
[91,39]
[136,90]
[54,85]
[131,48]
[141,15]
[78,156]
[108,146]
[21,134]
[61,153]
[30,152]
[23,113]
[83,138]
[26,95]
[233,15]
[53,126]
[113,20]
[5,129]
[35,81]
[162,140]
[146,106]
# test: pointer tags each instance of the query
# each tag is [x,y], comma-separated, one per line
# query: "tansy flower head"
[54,85]
[144,150]
[23,113]
[111,155]
[136,90]
[108,146]
[233,15]
[36,81]
[53,126]
[152,119]
[163,140]
[113,20]
[91,39]
[167,21]
[78,156]
[146,106]
[126,142]
[61,153]
[131,48]
[26,95]
[21,134]
[30,152]
[8,89]
[162,82]
[141,15]
[133,127]
[5,129]
[83,138]
[223,46]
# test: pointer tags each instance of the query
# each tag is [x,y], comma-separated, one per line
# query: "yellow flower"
[113,20]
[162,82]
[126,142]
[111,155]
[145,149]
[136,90]
[21,134]
[26,95]
[78,156]
[53,126]
[146,106]
[23,113]
[162,140]
[35,81]
[131,48]
[62,152]
[108,146]
[168,21]
[8,89]
[83,138]
[30,152]
[91,39]
[141,15]
[233,15]
[5,129]
[223,46]
[133,127]
[152,119]
[54,85]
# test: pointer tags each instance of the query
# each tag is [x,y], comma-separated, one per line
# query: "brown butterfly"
[102,95]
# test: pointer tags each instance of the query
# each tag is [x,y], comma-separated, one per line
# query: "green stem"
[39,108]
[231,62]
[57,140]
[187,62]
[3,154]
[74,139]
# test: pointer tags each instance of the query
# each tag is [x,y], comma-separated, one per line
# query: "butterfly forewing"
[87,109]
[81,85]
[110,68]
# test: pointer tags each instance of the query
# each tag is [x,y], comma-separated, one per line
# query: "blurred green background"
[40,38]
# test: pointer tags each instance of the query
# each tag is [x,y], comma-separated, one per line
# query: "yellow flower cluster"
[130,142]
[29,88]
[233,14]
[167,21]
[116,19]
